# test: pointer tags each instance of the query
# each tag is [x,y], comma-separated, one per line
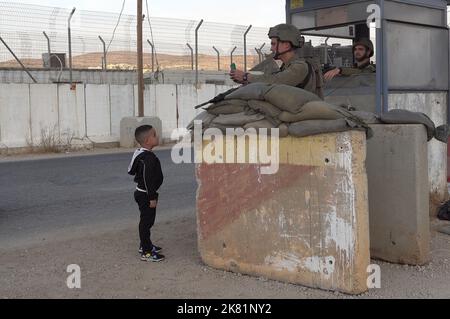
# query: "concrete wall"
[177,77]
[91,113]
[43,76]
[435,106]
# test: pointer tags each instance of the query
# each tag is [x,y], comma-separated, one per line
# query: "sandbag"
[253,91]
[289,98]
[264,107]
[314,127]
[368,117]
[259,124]
[205,117]
[228,107]
[284,130]
[408,117]
[239,119]
[317,110]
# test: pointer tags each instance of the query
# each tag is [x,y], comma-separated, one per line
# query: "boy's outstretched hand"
[153,203]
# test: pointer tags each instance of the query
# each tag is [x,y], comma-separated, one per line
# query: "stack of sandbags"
[293,110]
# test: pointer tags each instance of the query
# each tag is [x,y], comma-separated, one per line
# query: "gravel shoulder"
[111,268]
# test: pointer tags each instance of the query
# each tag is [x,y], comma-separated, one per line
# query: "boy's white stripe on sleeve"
[145,182]
[135,155]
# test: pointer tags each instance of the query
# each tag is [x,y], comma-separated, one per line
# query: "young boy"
[146,169]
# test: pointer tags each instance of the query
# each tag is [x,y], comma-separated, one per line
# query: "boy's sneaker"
[153,257]
[155,249]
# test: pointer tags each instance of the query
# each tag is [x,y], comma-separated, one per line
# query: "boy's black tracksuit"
[146,169]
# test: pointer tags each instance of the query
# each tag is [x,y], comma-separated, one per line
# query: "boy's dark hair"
[141,133]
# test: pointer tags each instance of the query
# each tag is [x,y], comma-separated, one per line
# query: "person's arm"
[293,75]
[153,177]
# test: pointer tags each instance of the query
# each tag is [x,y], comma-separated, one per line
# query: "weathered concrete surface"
[307,224]
[397,170]
[435,106]
[128,126]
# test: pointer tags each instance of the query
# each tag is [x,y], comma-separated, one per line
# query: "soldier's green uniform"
[293,73]
[296,72]
[365,68]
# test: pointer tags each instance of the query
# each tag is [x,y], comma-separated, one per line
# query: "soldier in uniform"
[285,40]
[363,50]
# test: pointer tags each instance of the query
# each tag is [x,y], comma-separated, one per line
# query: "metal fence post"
[70,45]
[196,52]
[231,55]
[218,58]
[104,64]
[260,51]
[153,55]
[48,49]
[259,54]
[192,56]
[245,48]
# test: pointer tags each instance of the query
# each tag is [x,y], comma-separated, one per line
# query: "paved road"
[42,198]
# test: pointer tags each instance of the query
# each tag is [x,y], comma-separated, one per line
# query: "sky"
[262,13]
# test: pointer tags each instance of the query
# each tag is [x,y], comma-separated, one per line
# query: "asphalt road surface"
[45,198]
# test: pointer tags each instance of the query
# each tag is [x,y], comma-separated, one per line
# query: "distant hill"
[127,60]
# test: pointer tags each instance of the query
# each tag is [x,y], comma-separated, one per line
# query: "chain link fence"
[22,27]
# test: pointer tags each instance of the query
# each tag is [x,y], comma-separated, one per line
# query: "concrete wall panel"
[44,112]
[15,130]
[72,111]
[98,111]
[166,108]
[122,105]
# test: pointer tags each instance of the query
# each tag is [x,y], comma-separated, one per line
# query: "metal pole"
[218,58]
[231,55]
[326,50]
[153,55]
[48,49]
[245,48]
[104,53]
[18,60]
[140,60]
[192,56]
[70,45]
[260,51]
[259,54]
[196,52]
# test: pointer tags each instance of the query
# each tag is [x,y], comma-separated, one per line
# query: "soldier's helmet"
[367,43]
[287,33]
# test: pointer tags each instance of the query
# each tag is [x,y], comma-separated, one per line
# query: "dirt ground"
[110,268]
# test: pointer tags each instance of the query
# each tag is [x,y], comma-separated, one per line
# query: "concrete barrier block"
[433,104]
[15,126]
[397,169]
[128,126]
[306,224]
